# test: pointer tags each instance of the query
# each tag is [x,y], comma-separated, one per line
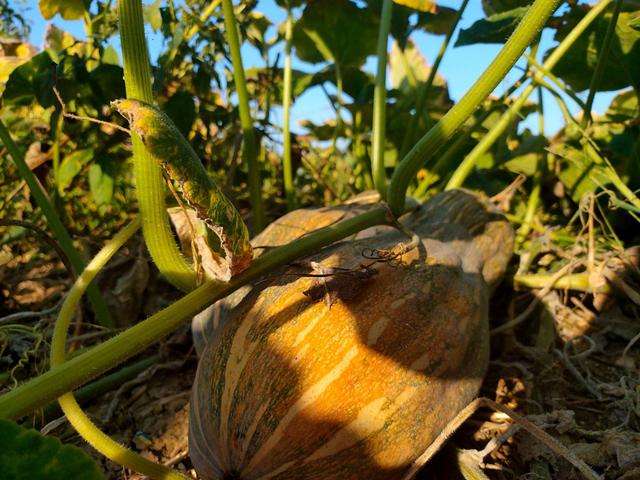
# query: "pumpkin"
[358,379]
[287,228]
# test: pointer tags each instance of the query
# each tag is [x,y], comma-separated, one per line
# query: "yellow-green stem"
[426,87]
[465,168]
[250,150]
[575,281]
[289,189]
[380,102]
[524,34]
[83,425]
[598,72]
[534,196]
[148,175]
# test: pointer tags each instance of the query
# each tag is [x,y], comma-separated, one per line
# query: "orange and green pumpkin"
[294,387]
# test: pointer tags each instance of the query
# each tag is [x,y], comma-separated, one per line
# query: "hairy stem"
[250,151]
[380,102]
[596,78]
[524,34]
[465,168]
[148,174]
[426,87]
[289,189]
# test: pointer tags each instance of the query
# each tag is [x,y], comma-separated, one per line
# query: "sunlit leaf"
[28,455]
[56,40]
[152,15]
[579,173]
[110,56]
[68,9]
[256,27]
[421,5]
[13,53]
[71,166]
[624,106]
[526,157]
[409,69]
[102,180]
[31,81]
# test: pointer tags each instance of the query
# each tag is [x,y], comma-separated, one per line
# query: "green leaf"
[439,22]
[355,83]
[624,106]
[290,3]
[492,7]
[68,9]
[494,29]
[56,40]
[31,81]
[269,82]
[182,110]
[28,455]
[71,166]
[15,53]
[577,65]
[525,158]
[335,31]
[101,180]
[152,15]
[110,56]
[256,28]
[409,66]
[107,82]
[579,173]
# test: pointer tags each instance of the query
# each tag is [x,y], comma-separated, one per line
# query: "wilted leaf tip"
[137,113]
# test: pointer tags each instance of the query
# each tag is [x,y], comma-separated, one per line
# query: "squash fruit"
[294,387]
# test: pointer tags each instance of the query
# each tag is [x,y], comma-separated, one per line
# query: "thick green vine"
[148,174]
[524,34]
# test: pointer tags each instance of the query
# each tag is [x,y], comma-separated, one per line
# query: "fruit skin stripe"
[166,144]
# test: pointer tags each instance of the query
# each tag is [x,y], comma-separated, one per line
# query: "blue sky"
[460,66]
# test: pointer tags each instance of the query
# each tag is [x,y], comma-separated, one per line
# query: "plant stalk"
[148,174]
[72,410]
[289,189]
[598,72]
[56,226]
[465,168]
[426,87]
[524,34]
[250,150]
[380,102]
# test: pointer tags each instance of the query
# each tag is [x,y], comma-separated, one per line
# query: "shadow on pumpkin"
[356,391]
